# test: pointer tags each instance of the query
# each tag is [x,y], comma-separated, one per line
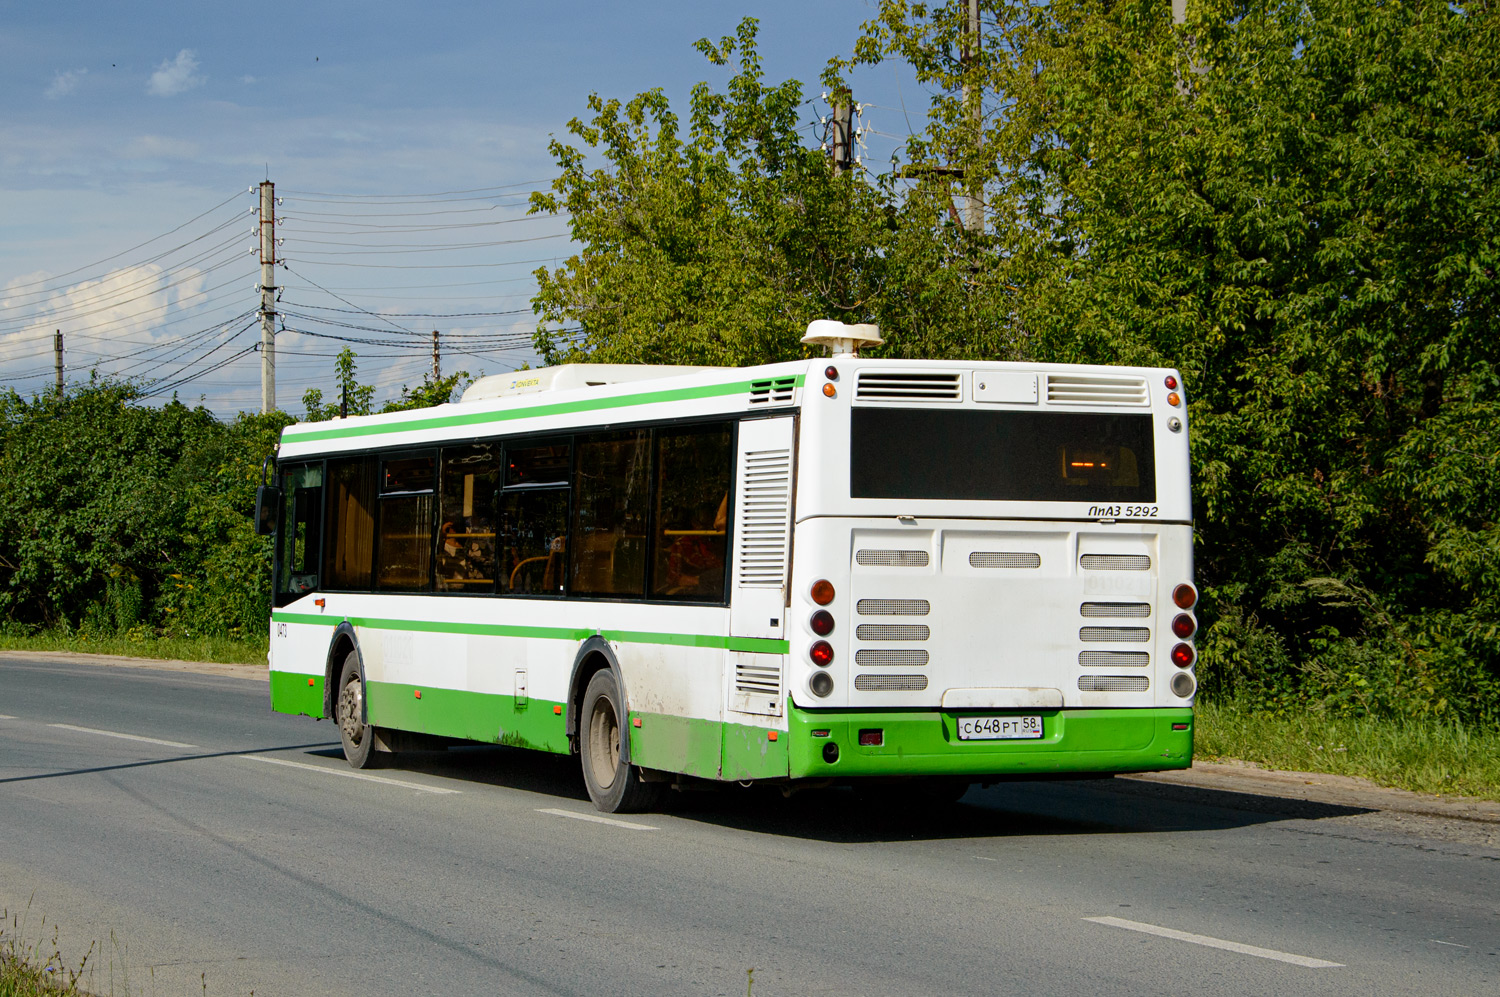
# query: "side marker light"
[1179,726]
[417,693]
[557,710]
[770,735]
[635,721]
[309,680]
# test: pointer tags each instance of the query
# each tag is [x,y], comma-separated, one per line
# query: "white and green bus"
[926,572]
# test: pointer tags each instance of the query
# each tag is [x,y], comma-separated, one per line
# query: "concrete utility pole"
[437,370]
[841,145]
[267,297]
[57,361]
[973,201]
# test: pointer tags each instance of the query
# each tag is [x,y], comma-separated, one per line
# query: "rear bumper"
[926,743]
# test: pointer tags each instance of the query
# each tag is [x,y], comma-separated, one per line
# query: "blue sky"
[123,122]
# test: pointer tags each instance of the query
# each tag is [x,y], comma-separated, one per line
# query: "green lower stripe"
[707,749]
[760,645]
[297,694]
[926,743]
[476,716]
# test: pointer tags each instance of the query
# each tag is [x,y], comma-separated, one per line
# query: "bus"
[920,574]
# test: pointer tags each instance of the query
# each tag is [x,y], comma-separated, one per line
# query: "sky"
[403,139]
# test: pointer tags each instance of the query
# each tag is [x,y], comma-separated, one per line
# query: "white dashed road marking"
[127,737]
[595,818]
[441,790]
[1215,943]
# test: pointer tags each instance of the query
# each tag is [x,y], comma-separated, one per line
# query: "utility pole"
[57,361]
[267,297]
[842,134]
[437,371]
[973,201]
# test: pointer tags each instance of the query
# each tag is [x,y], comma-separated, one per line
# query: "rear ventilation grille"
[774,392]
[1116,562]
[1114,659]
[1125,634]
[1117,610]
[874,658]
[892,558]
[1002,559]
[892,631]
[890,683]
[1109,683]
[1096,389]
[877,386]
[893,607]
[766,498]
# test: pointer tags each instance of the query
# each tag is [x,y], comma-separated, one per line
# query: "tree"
[1308,229]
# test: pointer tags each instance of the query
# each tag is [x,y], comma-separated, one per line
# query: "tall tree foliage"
[1295,203]
[719,244]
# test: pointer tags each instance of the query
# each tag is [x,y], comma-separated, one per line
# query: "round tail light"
[821,653]
[821,684]
[822,592]
[1183,625]
[822,623]
[1183,685]
[1182,655]
[1185,596]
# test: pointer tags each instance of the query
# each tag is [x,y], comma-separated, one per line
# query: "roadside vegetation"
[32,970]
[1296,204]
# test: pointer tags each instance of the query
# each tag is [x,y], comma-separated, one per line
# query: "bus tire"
[348,707]
[613,783]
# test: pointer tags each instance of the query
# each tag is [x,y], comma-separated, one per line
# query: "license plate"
[1000,728]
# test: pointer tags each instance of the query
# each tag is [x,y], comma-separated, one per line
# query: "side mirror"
[267,503]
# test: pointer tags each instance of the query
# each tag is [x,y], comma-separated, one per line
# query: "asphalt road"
[245,856]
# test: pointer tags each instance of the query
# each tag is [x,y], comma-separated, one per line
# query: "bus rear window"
[1001,455]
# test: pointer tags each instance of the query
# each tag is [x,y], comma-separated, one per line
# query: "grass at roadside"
[227,650]
[29,971]
[1426,756]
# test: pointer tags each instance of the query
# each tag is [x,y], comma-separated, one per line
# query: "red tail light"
[821,653]
[1182,655]
[1183,625]
[1185,596]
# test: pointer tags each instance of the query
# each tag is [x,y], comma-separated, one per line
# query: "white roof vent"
[842,340]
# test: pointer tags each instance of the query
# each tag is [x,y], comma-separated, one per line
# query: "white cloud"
[123,308]
[157,147]
[63,83]
[174,76]
[249,79]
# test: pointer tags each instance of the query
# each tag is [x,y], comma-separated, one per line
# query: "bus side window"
[533,528]
[302,488]
[465,557]
[610,496]
[349,541]
[690,517]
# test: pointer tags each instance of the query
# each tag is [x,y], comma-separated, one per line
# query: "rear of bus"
[991,571]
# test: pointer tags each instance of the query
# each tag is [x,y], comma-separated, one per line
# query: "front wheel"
[349,710]
[613,783]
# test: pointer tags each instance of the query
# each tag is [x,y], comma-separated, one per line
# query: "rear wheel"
[613,783]
[349,710]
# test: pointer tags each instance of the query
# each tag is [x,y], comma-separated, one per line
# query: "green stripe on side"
[925,742]
[295,435]
[297,694]
[759,645]
[476,716]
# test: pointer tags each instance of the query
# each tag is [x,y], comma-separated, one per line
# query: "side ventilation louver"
[777,391]
[893,607]
[766,497]
[1096,389]
[1004,559]
[907,386]
[1115,562]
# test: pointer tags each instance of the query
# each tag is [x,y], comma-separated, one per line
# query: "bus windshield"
[908,453]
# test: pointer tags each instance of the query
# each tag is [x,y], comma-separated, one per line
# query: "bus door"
[762,557]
